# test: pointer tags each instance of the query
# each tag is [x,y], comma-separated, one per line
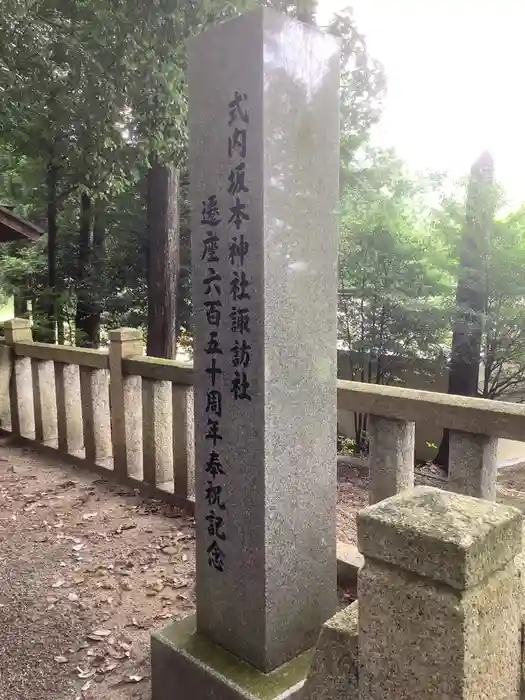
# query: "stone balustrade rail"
[122,411]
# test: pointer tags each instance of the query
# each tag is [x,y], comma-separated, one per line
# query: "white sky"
[456,81]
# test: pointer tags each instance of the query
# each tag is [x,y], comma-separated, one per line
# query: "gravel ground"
[88,569]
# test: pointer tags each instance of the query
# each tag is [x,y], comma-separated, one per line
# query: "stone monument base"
[187,666]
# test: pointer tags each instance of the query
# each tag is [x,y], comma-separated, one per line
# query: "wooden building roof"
[14,228]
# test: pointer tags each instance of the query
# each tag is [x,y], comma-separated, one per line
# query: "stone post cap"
[447,537]
[120,335]
[17,323]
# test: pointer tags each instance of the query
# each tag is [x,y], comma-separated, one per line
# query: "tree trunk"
[44,308]
[85,246]
[471,290]
[163,258]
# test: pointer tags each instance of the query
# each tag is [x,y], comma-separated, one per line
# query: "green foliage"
[91,93]
[503,347]
[394,293]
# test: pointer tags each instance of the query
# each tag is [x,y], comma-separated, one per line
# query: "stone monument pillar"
[264,163]
[439,598]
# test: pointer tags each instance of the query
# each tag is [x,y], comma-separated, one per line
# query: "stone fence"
[132,414]
[440,572]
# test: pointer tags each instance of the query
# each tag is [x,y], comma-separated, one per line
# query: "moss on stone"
[263,686]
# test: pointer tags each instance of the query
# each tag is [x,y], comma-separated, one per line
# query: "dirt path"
[87,570]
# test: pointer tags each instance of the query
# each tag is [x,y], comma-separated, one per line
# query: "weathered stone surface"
[185,665]
[94,385]
[334,672]
[447,537]
[473,468]
[23,413]
[426,641]
[46,430]
[472,415]
[278,582]
[157,420]
[5,382]
[126,403]
[69,408]
[349,561]
[183,441]
[439,599]
[18,330]
[391,460]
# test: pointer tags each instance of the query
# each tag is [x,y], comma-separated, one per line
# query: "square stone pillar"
[391,456]
[96,413]
[69,408]
[18,330]
[439,598]
[264,165]
[473,465]
[125,395]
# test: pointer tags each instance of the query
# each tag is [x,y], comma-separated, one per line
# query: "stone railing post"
[18,330]
[69,408]
[45,400]
[158,433]
[96,414]
[183,441]
[473,468]
[391,456]
[6,370]
[126,404]
[439,598]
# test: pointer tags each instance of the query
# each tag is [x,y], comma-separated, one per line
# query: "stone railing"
[439,609]
[475,426]
[117,410]
[132,414]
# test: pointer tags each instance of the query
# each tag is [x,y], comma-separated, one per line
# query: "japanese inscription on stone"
[225,366]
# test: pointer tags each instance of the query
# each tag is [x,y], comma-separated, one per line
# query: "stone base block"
[187,666]
[334,671]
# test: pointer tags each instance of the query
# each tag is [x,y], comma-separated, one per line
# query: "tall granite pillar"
[439,598]
[264,162]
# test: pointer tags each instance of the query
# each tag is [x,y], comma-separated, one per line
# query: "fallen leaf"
[118,655]
[138,625]
[61,659]
[156,586]
[169,550]
[88,673]
[108,667]
[98,635]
